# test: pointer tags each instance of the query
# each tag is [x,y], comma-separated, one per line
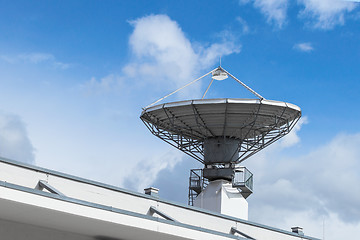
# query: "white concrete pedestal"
[221,197]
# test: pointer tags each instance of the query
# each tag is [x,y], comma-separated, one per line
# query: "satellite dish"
[221,133]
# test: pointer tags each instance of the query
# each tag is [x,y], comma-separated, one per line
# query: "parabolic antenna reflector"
[220,133]
[241,126]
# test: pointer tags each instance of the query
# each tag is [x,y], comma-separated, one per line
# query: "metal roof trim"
[112,209]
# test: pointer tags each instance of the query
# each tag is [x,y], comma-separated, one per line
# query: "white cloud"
[146,171]
[274,10]
[244,25]
[327,226]
[104,85]
[164,56]
[34,58]
[325,14]
[321,14]
[304,47]
[14,141]
[293,138]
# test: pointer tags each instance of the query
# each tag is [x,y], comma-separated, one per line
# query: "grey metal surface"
[235,230]
[218,173]
[254,122]
[42,184]
[160,213]
[220,150]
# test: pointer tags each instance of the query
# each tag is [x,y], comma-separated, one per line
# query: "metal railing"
[243,180]
[197,183]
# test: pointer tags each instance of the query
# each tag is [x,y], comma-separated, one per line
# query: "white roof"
[90,210]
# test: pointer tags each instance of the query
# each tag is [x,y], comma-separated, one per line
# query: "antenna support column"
[220,156]
[221,150]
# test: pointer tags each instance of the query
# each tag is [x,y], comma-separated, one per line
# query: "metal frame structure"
[213,72]
[197,183]
[242,179]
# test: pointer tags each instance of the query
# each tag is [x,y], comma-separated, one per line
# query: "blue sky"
[74,76]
